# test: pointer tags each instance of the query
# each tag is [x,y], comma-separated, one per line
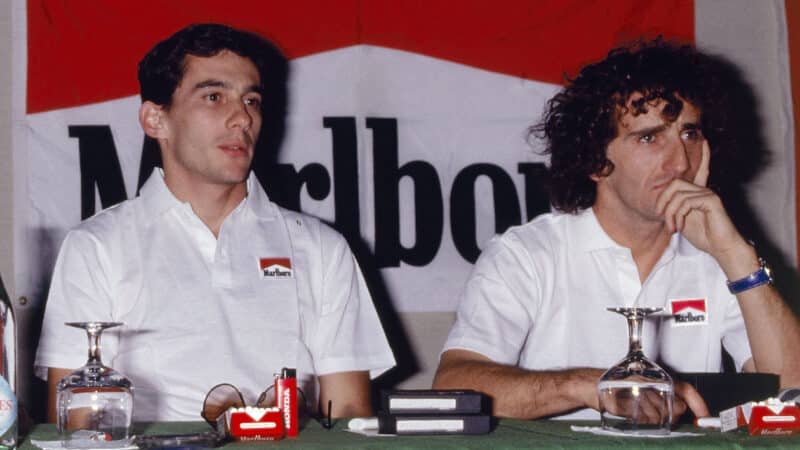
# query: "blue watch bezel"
[760,277]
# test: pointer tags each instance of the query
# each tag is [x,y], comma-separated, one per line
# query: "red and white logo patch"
[275,267]
[688,312]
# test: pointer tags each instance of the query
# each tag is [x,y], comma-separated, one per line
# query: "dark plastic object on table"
[726,390]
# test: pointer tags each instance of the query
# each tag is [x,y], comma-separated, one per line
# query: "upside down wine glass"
[95,402]
[636,395]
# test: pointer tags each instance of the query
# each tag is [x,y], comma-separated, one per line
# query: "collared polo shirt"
[275,289]
[538,294]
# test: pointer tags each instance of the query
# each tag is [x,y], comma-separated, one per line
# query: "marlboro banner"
[405,123]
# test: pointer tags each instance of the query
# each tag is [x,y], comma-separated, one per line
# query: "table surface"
[507,434]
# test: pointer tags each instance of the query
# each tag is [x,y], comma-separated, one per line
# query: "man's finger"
[654,407]
[701,177]
[693,400]
[678,408]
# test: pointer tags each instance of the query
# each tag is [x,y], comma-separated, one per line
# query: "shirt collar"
[156,196]
[257,200]
[683,246]
[590,236]
[158,199]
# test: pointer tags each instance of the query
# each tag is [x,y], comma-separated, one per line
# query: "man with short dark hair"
[213,282]
[631,140]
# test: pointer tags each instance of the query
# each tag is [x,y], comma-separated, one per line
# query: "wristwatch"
[761,276]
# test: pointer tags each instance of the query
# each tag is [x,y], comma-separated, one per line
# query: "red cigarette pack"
[770,417]
[254,424]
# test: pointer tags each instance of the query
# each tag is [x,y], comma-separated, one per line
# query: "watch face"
[766,269]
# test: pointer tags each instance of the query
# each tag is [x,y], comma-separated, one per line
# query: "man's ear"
[602,173]
[151,118]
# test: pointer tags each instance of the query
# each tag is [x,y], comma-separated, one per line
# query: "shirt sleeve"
[493,316]
[349,335]
[79,292]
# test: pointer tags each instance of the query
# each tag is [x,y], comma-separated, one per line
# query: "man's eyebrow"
[257,88]
[210,83]
[691,126]
[646,131]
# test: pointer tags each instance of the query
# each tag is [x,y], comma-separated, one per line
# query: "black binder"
[433,402]
[436,424]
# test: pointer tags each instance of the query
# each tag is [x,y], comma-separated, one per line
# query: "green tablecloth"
[508,434]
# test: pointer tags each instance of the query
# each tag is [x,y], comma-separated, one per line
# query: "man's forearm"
[54,375]
[772,328]
[521,393]
[348,393]
[774,334]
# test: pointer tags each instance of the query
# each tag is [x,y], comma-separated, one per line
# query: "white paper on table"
[365,426]
[87,444]
[370,433]
[603,432]
[59,445]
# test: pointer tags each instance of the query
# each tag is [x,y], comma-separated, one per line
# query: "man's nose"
[678,158]
[240,116]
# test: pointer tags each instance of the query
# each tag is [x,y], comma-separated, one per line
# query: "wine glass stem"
[94,346]
[635,333]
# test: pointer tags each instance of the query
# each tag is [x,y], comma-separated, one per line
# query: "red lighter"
[286,391]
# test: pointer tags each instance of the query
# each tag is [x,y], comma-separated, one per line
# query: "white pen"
[708,422]
[363,423]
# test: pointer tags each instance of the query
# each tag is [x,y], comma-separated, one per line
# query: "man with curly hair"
[631,140]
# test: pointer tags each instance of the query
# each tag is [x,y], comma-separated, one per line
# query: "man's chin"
[233,177]
[653,217]
[238,173]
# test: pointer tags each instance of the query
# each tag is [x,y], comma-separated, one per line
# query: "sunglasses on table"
[223,396]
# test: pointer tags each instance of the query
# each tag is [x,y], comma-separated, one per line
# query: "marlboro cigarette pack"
[254,424]
[770,417]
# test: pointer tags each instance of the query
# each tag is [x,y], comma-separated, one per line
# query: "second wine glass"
[636,395]
[95,402]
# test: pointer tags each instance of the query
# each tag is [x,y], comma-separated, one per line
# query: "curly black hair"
[581,120]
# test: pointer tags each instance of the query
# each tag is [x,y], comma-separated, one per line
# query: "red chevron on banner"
[86,52]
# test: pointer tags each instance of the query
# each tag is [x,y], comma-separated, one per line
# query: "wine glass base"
[625,426]
[90,439]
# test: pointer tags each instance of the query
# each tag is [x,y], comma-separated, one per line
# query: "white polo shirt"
[275,289]
[538,294]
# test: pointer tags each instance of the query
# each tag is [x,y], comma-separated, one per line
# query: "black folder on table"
[438,401]
[433,424]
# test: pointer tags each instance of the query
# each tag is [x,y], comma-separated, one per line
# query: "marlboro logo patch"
[688,312]
[275,267]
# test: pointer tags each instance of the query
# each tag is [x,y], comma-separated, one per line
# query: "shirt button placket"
[628,276]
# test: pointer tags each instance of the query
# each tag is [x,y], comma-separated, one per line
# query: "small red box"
[770,417]
[255,424]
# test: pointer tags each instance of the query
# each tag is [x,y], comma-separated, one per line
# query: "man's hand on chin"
[697,212]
